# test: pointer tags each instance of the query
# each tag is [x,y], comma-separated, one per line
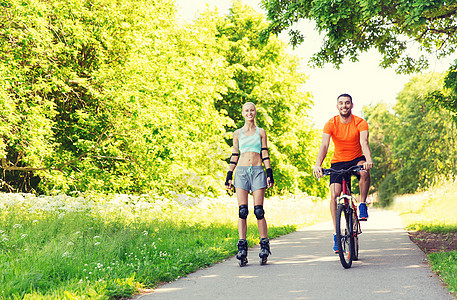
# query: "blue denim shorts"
[250,178]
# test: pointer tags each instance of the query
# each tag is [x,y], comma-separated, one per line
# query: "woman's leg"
[242,197]
[259,196]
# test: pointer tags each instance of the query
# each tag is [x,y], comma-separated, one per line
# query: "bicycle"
[347,233]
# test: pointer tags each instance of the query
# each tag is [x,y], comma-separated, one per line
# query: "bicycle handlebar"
[351,170]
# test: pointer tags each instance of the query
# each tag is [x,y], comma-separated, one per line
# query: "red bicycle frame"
[346,199]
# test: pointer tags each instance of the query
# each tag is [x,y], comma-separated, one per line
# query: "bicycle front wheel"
[344,236]
[355,234]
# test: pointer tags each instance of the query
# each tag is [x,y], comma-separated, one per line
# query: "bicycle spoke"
[345,240]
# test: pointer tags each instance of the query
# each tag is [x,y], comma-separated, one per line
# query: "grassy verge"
[434,211]
[107,247]
[445,265]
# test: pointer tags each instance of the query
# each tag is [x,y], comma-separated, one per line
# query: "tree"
[351,27]
[264,73]
[381,121]
[423,143]
[414,145]
[109,96]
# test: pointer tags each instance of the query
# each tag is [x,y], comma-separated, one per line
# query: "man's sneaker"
[335,246]
[363,212]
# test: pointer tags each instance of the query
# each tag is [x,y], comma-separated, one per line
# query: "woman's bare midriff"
[249,159]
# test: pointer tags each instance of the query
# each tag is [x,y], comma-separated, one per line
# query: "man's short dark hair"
[345,95]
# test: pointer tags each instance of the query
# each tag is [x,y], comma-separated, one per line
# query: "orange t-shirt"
[346,138]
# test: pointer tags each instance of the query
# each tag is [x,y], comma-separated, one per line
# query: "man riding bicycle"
[349,134]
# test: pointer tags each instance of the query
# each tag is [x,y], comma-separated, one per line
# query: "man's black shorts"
[334,178]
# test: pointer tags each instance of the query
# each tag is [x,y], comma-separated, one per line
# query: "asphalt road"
[303,266]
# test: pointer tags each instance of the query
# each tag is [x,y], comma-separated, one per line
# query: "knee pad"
[243,212]
[259,212]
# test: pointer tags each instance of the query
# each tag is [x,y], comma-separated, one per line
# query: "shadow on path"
[303,266]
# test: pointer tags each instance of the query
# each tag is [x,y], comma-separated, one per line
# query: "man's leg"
[364,186]
[335,191]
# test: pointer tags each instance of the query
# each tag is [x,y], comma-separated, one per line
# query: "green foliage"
[447,97]
[92,103]
[433,210]
[415,145]
[425,146]
[121,97]
[266,75]
[381,120]
[444,264]
[387,188]
[353,27]
[99,247]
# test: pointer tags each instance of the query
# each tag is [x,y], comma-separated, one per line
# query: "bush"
[387,190]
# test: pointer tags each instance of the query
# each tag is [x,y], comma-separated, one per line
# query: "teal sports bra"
[249,143]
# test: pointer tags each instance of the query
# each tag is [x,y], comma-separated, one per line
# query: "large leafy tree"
[351,27]
[264,73]
[381,122]
[424,147]
[121,97]
[392,27]
[415,144]
[108,96]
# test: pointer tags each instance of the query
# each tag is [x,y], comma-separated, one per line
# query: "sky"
[364,80]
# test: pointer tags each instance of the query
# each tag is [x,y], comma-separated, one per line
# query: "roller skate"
[242,254]
[264,250]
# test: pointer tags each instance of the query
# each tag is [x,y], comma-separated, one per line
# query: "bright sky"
[365,81]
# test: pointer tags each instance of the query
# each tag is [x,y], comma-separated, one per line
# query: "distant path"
[303,266]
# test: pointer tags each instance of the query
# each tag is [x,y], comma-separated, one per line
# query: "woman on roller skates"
[250,151]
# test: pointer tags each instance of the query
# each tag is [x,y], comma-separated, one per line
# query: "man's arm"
[366,150]
[317,172]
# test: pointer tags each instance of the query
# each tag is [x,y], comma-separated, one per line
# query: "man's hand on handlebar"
[367,166]
[317,172]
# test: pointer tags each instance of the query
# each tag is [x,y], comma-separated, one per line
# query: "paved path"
[302,266]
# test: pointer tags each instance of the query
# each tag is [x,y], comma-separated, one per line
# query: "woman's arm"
[265,154]
[233,160]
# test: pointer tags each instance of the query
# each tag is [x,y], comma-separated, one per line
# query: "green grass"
[444,264]
[434,210]
[109,247]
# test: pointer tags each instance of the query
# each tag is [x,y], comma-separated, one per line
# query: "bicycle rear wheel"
[344,237]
